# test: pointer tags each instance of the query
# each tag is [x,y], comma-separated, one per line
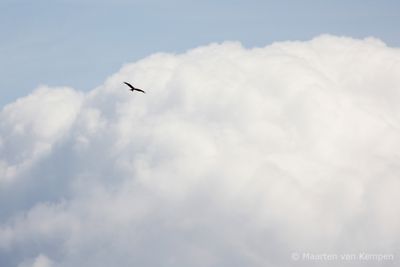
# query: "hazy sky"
[79,43]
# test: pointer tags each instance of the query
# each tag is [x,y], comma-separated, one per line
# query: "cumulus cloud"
[234,157]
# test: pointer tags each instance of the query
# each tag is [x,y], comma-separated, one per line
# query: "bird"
[133,88]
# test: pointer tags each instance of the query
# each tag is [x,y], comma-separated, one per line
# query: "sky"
[251,147]
[79,43]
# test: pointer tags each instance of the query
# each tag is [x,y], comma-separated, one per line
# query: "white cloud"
[234,157]
[30,126]
[39,261]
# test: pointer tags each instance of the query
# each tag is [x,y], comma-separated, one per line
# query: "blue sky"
[80,43]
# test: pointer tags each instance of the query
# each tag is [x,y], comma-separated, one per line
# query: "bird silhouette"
[133,88]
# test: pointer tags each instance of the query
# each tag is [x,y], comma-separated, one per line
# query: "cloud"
[234,157]
[30,126]
[39,261]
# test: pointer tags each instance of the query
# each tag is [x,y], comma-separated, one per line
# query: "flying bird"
[133,88]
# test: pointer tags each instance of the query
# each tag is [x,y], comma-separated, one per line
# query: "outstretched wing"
[130,85]
[140,90]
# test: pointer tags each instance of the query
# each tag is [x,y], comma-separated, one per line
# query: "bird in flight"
[133,88]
